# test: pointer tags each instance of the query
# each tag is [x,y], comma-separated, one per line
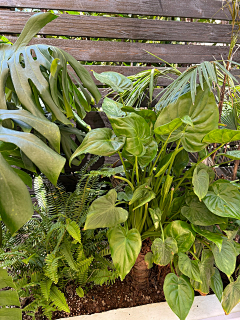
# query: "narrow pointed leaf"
[231,296]
[217,284]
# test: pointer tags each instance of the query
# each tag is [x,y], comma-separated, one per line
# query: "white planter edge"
[203,308]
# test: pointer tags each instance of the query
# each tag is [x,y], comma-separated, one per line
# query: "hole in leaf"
[21,60]
[33,54]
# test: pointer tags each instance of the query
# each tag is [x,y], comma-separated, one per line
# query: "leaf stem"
[126,180]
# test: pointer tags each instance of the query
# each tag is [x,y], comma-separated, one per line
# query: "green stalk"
[144,218]
[126,180]
[124,167]
[136,166]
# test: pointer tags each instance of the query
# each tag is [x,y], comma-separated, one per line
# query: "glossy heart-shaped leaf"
[136,130]
[203,113]
[214,237]
[150,153]
[198,214]
[189,267]
[112,108]
[179,295]
[182,232]
[234,154]
[163,251]
[217,284]
[226,258]
[103,212]
[125,247]
[222,136]
[223,199]
[116,81]
[169,127]
[142,195]
[15,201]
[200,182]
[206,267]
[231,296]
[101,142]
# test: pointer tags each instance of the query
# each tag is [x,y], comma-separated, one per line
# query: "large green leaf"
[226,258]
[104,213]
[150,153]
[182,233]
[136,130]
[15,202]
[116,81]
[179,295]
[169,127]
[163,251]
[216,238]
[217,284]
[189,267]
[101,142]
[48,161]
[234,154]
[197,213]
[48,130]
[231,296]
[200,182]
[203,113]
[222,136]
[112,108]
[33,26]
[9,297]
[11,313]
[142,195]
[125,247]
[5,280]
[206,272]
[223,199]
[180,162]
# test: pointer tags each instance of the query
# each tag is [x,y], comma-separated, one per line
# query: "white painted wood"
[203,308]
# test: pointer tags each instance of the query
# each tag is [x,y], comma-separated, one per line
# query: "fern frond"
[45,288]
[105,276]
[74,230]
[66,252]
[58,299]
[51,268]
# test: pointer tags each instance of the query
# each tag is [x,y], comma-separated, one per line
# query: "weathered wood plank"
[120,28]
[169,8]
[111,51]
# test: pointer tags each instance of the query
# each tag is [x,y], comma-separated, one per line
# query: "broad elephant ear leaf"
[223,199]
[116,81]
[101,142]
[231,296]
[136,130]
[104,213]
[222,136]
[15,201]
[179,295]
[203,114]
[125,247]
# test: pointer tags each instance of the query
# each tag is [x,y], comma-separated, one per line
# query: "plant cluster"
[191,218]
[50,252]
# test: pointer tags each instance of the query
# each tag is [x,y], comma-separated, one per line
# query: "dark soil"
[121,294]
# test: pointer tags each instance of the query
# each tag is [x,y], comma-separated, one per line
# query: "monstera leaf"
[36,78]
[202,118]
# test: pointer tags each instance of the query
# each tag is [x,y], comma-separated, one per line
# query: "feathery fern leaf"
[58,299]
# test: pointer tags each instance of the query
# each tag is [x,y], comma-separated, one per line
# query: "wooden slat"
[169,8]
[120,28]
[84,50]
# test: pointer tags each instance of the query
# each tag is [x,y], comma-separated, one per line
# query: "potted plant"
[189,216]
